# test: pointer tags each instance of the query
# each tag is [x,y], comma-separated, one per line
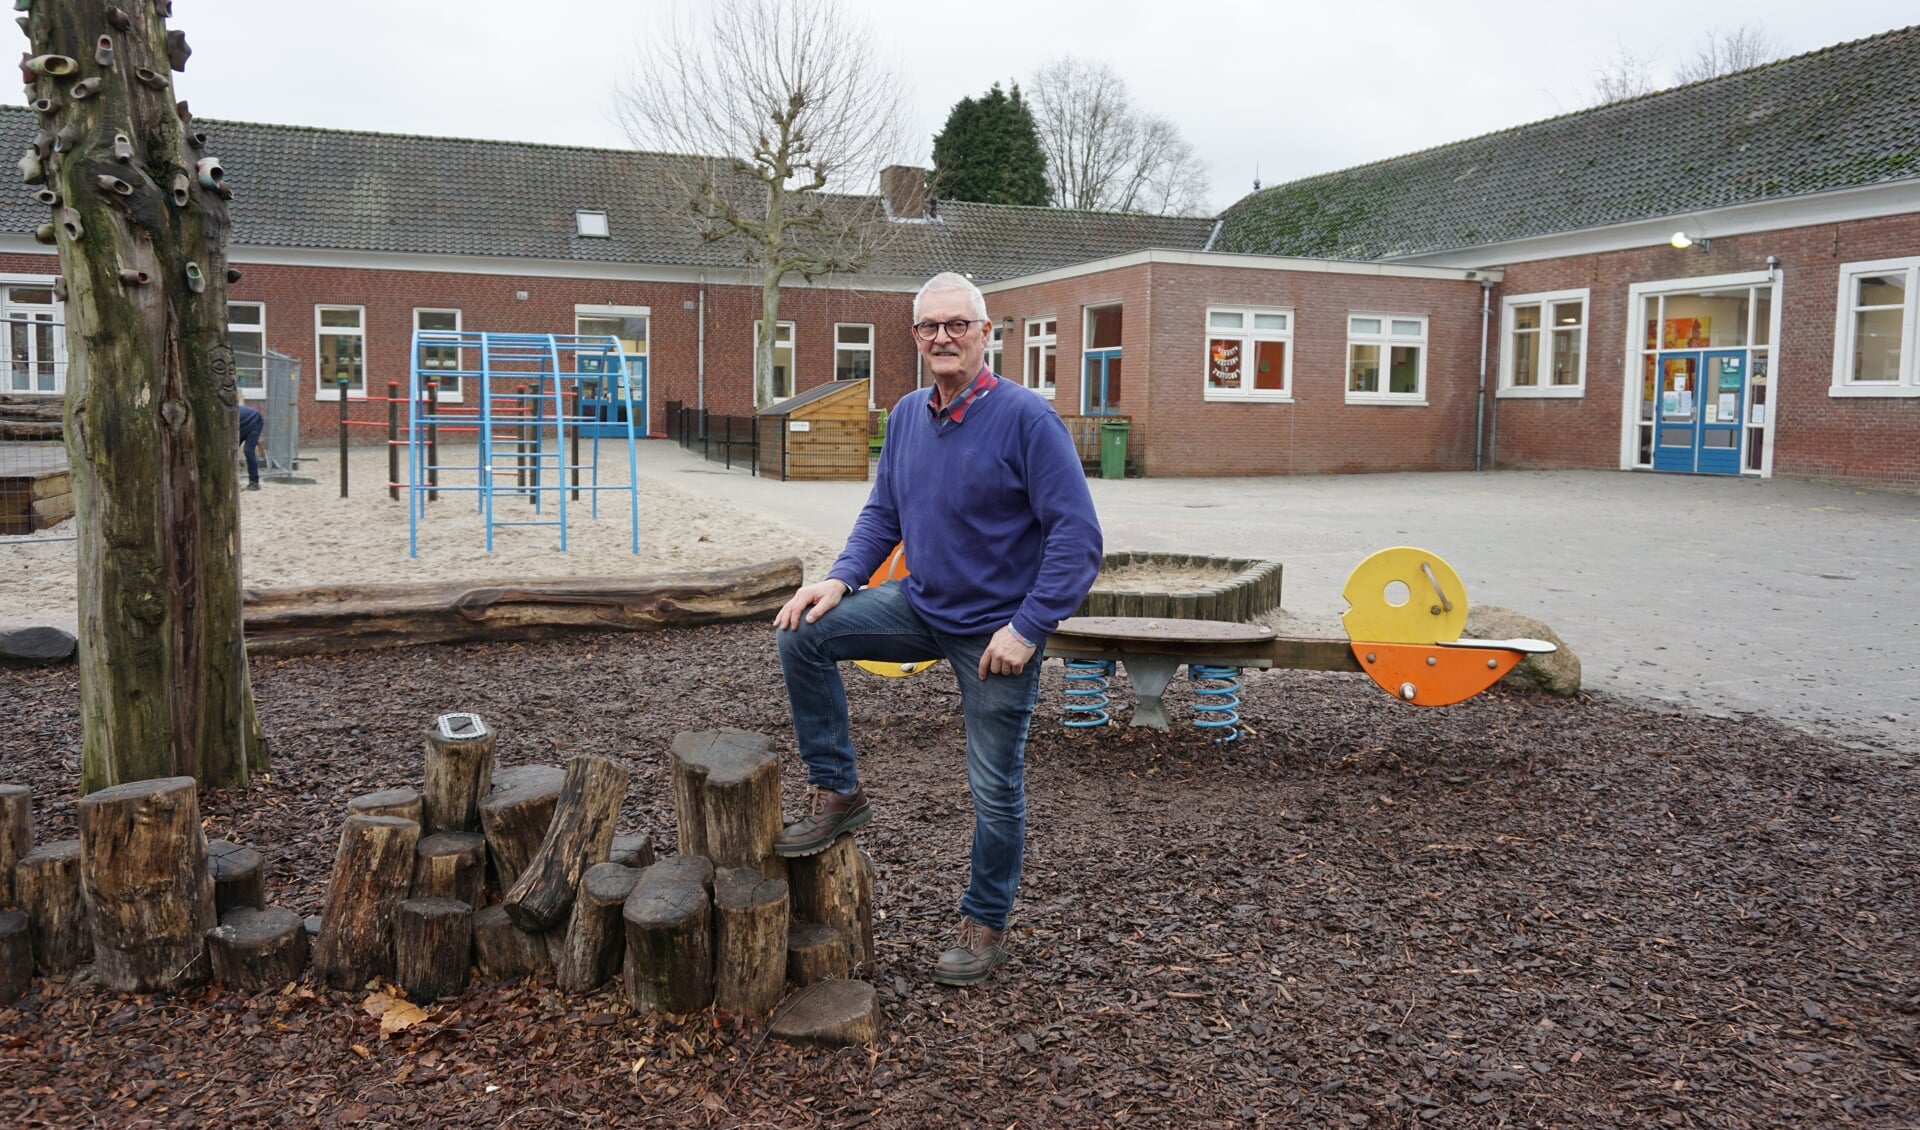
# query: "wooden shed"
[819,434]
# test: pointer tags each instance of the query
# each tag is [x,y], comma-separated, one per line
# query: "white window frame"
[585,219]
[1508,315]
[1846,325]
[1247,335]
[58,323]
[996,355]
[793,351]
[1386,339]
[325,388]
[458,393]
[248,328]
[1036,345]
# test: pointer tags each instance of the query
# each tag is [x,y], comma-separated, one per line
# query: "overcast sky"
[1284,88]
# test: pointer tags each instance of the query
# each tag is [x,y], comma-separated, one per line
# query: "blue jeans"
[877,623]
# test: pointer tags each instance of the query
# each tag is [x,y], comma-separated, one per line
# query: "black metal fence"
[729,440]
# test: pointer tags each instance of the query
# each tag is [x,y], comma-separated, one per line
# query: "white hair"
[947,281]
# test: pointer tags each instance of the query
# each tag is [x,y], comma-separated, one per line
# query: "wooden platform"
[1246,645]
[36,490]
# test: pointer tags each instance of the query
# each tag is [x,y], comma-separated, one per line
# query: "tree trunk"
[47,883]
[459,772]
[577,838]
[16,956]
[749,941]
[835,889]
[726,798]
[432,940]
[595,941]
[631,851]
[814,953]
[239,877]
[16,834]
[258,951]
[371,873]
[670,937]
[515,815]
[504,951]
[451,865]
[151,425]
[147,884]
[831,1014]
[407,804]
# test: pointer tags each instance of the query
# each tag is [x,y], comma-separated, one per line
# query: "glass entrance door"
[1697,426]
[606,402]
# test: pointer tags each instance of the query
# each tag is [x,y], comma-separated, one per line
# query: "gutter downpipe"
[1215,234]
[700,349]
[1480,403]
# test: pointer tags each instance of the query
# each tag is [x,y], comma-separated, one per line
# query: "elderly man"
[979,479]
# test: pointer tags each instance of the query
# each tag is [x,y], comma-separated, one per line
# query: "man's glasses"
[927,331]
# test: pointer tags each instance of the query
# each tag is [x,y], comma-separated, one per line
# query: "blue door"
[1100,383]
[1697,421]
[606,402]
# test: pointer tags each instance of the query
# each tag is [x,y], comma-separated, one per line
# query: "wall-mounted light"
[1682,241]
[1006,324]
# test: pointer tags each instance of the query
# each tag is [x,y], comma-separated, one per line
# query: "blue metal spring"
[1087,684]
[1216,707]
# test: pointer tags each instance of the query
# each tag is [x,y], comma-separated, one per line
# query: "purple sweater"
[995,513]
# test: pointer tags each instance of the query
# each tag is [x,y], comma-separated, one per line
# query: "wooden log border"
[1252,591]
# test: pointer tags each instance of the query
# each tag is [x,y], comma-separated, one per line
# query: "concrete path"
[1725,595]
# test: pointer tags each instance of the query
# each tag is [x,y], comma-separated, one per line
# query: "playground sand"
[306,534]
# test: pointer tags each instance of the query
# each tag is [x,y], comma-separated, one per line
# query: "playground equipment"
[528,400]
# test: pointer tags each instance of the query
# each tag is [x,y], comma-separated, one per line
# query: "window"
[247,334]
[342,350]
[852,352]
[1879,322]
[782,361]
[1249,354]
[438,363]
[1386,359]
[1100,361]
[593,225]
[996,348]
[1546,337]
[1038,371]
[35,352]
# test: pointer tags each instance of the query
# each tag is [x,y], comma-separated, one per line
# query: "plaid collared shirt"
[957,410]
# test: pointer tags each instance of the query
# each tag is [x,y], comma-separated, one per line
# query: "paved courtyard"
[1796,600]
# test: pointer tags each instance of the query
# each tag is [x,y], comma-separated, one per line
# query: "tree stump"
[595,939]
[835,889]
[577,837]
[46,882]
[147,886]
[504,951]
[371,873]
[432,940]
[16,834]
[258,950]
[669,936]
[515,816]
[16,956]
[631,851]
[726,798]
[815,953]
[749,941]
[239,877]
[832,1014]
[459,772]
[451,865]
[407,804]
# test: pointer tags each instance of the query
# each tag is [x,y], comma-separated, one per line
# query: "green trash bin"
[1113,448]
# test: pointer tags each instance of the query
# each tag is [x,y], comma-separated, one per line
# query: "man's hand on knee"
[810,601]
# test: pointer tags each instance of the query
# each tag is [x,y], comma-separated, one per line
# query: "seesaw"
[1407,608]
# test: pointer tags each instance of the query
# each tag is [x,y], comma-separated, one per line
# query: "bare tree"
[779,104]
[1724,52]
[1102,154]
[1626,74]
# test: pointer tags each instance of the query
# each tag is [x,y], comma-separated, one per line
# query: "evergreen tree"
[990,152]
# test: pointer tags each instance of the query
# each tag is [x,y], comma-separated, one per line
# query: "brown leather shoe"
[969,963]
[829,815]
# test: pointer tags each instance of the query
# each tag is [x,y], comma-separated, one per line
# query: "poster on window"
[1687,333]
[1223,363]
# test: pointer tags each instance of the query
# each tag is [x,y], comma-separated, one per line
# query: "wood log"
[504,951]
[631,851]
[595,940]
[832,1014]
[749,941]
[669,936]
[258,950]
[459,772]
[835,889]
[407,804]
[577,837]
[451,865]
[147,885]
[372,870]
[16,834]
[432,941]
[515,815]
[324,618]
[239,877]
[46,882]
[16,956]
[815,953]
[726,798]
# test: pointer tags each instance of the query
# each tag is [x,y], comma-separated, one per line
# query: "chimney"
[905,189]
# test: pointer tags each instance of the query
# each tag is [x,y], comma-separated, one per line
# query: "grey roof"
[301,187]
[1841,117]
